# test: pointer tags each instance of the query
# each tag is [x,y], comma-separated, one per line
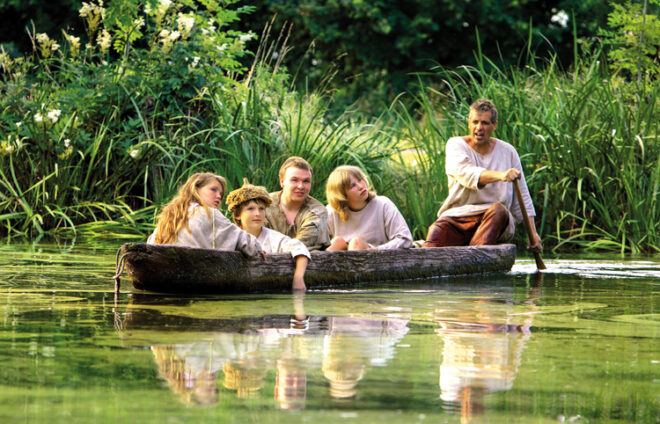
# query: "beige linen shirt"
[379,223]
[309,226]
[275,242]
[213,232]
[464,166]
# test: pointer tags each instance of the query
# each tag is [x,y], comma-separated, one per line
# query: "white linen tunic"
[275,242]
[379,223]
[464,166]
[213,232]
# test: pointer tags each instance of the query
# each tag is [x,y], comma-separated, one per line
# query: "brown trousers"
[474,230]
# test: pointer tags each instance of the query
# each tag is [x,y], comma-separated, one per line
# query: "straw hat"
[246,193]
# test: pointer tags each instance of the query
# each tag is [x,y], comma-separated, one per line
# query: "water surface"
[579,343]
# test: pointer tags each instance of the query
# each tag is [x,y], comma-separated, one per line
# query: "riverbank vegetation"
[96,134]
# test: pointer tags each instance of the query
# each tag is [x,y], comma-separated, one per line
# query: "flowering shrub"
[86,121]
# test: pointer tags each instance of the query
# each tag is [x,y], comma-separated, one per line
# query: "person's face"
[480,126]
[211,194]
[296,184]
[356,193]
[252,216]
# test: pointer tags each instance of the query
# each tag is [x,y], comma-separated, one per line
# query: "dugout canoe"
[170,269]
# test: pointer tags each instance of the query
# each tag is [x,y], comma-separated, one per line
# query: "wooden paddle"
[530,235]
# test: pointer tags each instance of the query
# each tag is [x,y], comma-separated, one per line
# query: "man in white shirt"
[481,208]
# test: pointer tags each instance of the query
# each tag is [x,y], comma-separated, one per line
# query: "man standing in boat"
[481,208]
[293,211]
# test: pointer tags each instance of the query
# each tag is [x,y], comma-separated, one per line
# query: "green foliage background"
[96,132]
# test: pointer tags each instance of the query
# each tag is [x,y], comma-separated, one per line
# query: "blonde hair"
[338,182]
[174,215]
[294,162]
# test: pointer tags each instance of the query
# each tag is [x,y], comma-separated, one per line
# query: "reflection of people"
[481,207]
[290,384]
[483,342]
[353,343]
[294,212]
[245,376]
[358,219]
[248,205]
[192,219]
[195,385]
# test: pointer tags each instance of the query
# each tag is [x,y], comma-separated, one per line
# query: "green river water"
[579,343]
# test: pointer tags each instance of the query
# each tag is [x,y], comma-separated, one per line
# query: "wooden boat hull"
[170,269]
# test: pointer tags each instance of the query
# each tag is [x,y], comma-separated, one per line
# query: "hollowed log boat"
[171,269]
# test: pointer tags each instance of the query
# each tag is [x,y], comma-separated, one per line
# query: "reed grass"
[590,155]
[590,152]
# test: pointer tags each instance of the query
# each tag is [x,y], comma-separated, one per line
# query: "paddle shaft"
[528,226]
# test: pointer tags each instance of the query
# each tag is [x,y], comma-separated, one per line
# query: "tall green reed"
[590,155]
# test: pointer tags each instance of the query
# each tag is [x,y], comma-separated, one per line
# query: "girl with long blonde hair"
[359,219]
[192,219]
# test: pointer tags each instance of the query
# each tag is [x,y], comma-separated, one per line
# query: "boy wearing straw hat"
[248,207]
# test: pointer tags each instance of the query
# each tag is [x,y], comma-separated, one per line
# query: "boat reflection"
[240,355]
[483,340]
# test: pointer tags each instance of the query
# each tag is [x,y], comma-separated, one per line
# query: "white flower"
[164,33]
[139,23]
[195,61]
[104,40]
[19,123]
[67,143]
[55,47]
[86,10]
[42,38]
[174,35]
[246,37]
[134,153]
[38,117]
[74,41]
[222,47]
[54,115]
[560,18]
[185,24]
[164,4]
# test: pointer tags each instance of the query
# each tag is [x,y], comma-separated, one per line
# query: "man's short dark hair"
[485,105]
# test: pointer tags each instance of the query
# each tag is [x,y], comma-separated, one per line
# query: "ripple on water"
[593,269]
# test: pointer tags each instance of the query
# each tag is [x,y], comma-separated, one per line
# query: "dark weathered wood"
[188,270]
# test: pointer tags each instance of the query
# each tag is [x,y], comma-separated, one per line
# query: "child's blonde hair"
[174,215]
[338,182]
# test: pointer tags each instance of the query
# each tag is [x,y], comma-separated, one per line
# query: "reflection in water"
[240,354]
[483,340]
[193,379]
[353,343]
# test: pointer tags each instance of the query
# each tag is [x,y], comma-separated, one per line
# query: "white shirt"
[275,242]
[379,223]
[464,166]
[213,231]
